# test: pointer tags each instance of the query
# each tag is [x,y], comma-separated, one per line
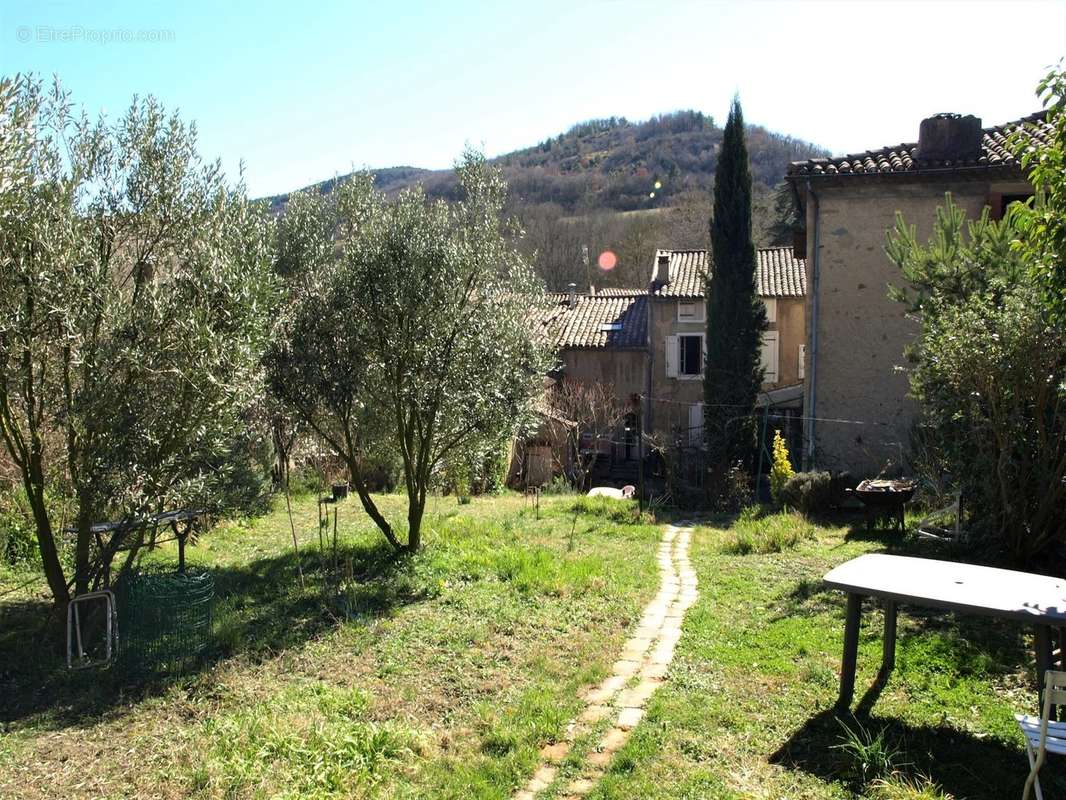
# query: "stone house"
[677,327]
[858,414]
[648,344]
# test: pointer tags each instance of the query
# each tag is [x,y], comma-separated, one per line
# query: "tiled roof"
[597,321]
[778,273]
[616,291]
[687,271]
[903,158]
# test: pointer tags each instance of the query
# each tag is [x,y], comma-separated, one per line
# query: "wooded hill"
[620,185]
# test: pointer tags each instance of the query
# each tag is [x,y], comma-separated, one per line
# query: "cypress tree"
[736,317]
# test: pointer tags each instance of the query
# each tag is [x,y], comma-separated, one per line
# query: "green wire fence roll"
[164,619]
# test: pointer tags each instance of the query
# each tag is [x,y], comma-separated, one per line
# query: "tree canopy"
[410,332]
[134,288]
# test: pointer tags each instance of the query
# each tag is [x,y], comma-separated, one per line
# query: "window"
[999,203]
[690,355]
[802,362]
[771,308]
[684,356]
[769,357]
[690,311]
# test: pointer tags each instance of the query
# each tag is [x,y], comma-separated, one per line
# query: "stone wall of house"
[624,369]
[671,398]
[861,333]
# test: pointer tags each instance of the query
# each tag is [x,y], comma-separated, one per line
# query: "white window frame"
[681,376]
[699,307]
[771,308]
[770,365]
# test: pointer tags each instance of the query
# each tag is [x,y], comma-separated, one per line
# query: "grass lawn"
[444,675]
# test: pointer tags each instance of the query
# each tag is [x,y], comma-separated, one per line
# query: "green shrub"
[809,492]
[872,756]
[18,537]
[558,485]
[781,470]
[734,491]
[306,480]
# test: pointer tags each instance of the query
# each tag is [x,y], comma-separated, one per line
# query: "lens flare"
[658,184]
[607,260]
[651,195]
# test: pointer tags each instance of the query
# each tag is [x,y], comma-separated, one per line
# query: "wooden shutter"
[769,356]
[695,424]
[671,356]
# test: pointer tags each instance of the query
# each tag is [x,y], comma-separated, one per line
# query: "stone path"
[641,668]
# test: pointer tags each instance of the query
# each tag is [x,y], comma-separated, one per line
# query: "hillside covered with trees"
[613,184]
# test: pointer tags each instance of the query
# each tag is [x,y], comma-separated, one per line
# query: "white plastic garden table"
[1037,600]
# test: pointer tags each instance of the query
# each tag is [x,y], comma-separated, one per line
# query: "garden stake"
[292,525]
[334,540]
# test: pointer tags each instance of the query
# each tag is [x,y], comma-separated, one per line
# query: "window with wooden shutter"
[769,356]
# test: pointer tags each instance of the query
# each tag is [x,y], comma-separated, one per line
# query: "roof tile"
[778,273]
[615,321]
[903,158]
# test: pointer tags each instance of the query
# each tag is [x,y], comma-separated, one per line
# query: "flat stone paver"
[646,655]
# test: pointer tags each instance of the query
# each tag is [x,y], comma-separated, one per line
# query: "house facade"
[677,327]
[859,415]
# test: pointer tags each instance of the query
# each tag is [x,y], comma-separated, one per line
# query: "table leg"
[888,660]
[851,651]
[1043,661]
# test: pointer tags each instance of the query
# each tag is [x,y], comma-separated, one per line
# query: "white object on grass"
[1042,736]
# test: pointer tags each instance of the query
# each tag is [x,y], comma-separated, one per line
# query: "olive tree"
[134,287]
[408,329]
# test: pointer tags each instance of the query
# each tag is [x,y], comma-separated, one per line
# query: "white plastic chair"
[1043,736]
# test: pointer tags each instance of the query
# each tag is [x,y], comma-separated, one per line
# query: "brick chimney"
[949,137]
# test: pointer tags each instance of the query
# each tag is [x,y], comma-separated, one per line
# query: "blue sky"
[303,91]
